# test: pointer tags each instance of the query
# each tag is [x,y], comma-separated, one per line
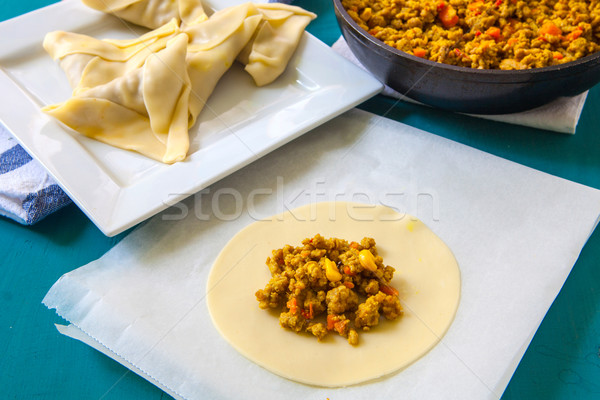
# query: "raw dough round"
[427,277]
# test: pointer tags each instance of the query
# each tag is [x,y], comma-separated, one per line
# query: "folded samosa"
[149,109]
[146,110]
[151,13]
[267,55]
[214,46]
[144,94]
[90,62]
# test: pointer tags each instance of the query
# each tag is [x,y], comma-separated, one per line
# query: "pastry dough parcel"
[151,13]
[90,62]
[275,41]
[145,110]
[214,46]
[144,94]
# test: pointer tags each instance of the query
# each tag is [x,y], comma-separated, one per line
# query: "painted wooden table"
[562,362]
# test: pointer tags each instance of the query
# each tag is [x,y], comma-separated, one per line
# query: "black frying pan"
[462,89]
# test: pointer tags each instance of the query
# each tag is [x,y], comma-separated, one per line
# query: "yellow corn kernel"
[366,14]
[331,271]
[367,260]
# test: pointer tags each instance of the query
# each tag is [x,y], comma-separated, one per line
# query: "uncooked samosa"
[90,62]
[275,41]
[146,110]
[151,13]
[144,94]
[214,46]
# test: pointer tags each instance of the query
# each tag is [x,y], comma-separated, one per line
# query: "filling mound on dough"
[330,285]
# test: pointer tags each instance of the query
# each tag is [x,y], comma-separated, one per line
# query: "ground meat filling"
[484,34]
[330,285]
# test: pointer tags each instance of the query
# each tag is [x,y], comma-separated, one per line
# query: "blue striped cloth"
[27,192]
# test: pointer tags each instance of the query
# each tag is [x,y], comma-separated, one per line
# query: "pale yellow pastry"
[90,62]
[267,55]
[145,110]
[427,278]
[144,94]
[151,13]
[214,46]
[122,105]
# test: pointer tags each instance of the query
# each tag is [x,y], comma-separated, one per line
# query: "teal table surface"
[562,361]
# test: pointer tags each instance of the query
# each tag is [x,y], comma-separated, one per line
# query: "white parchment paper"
[515,232]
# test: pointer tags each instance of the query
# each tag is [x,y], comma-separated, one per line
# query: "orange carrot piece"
[292,304]
[574,34]
[340,326]
[494,32]
[549,29]
[419,52]
[475,6]
[448,16]
[331,320]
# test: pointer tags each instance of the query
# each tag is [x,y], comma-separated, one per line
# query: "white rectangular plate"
[116,188]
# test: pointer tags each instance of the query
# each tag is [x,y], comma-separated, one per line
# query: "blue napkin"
[27,192]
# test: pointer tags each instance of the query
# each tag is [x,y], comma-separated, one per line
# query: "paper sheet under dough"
[515,232]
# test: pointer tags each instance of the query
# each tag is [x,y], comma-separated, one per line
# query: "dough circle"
[427,276]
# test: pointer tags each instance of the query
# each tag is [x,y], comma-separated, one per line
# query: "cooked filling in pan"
[484,34]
